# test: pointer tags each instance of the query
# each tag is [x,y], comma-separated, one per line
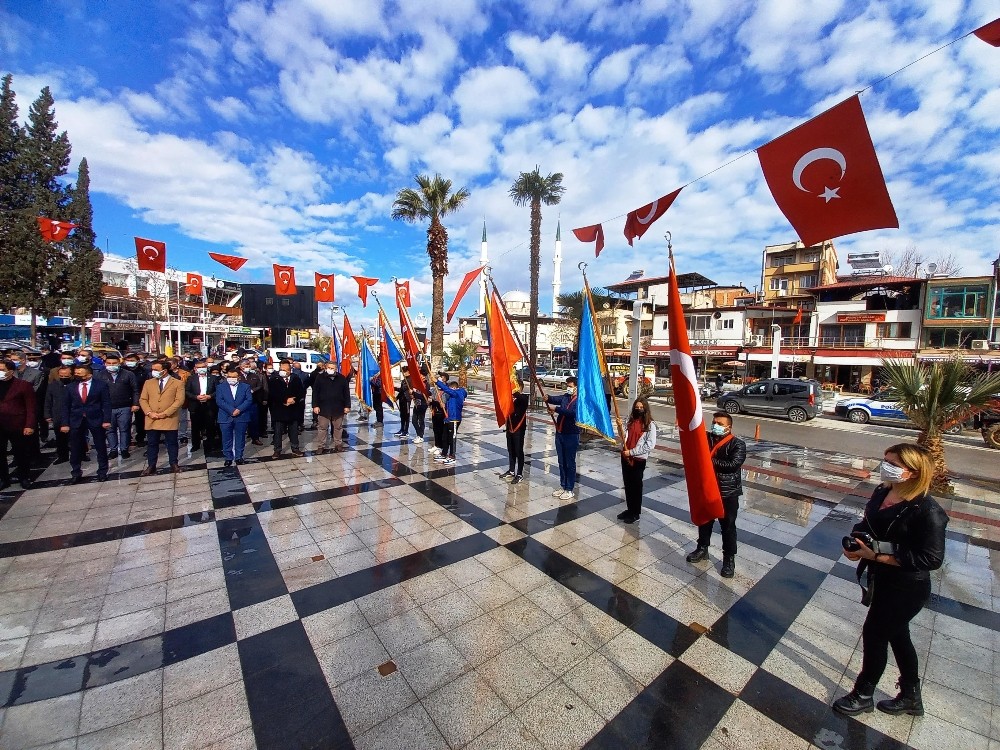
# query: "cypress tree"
[84,272]
[13,194]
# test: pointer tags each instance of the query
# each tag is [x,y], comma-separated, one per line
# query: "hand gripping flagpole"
[409,322]
[600,350]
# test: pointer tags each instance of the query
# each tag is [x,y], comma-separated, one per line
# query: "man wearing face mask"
[17,415]
[331,402]
[728,455]
[141,375]
[161,400]
[200,391]
[30,371]
[87,410]
[284,394]
[257,381]
[55,403]
[124,402]
[234,401]
[85,356]
[567,439]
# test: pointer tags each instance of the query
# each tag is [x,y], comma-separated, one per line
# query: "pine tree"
[83,280]
[13,196]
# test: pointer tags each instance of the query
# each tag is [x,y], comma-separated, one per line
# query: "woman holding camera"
[899,541]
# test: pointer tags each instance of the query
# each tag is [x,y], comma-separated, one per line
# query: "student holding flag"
[516,427]
[453,416]
[640,439]
[567,439]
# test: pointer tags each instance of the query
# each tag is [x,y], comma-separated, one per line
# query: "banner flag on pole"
[704,497]
[232,262]
[336,347]
[467,282]
[195,285]
[403,292]
[324,287]
[350,349]
[54,231]
[151,255]
[368,369]
[504,356]
[284,281]
[411,348]
[592,412]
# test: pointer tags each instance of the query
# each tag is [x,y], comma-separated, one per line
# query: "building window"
[778,283]
[952,338]
[846,335]
[726,324]
[809,281]
[644,331]
[779,260]
[698,322]
[893,330]
[812,258]
[958,301]
[665,325]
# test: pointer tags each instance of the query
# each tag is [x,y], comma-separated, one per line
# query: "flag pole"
[409,323]
[600,350]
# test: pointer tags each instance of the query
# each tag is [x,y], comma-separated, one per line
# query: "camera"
[850,543]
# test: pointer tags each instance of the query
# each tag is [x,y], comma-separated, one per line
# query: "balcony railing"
[804,342]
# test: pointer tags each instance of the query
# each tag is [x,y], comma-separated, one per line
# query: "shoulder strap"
[719,444]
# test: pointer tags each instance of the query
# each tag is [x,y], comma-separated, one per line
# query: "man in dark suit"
[17,424]
[234,401]
[285,393]
[87,409]
[124,402]
[200,392]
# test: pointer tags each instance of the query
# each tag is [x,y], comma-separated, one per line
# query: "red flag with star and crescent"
[403,292]
[594,233]
[351,348]
[411,347]
[232,262]
[825,176]
[151,255]
[638,221]
[195,285]
[52,230]
[704,497]
[284,281]
[363,283]
[324,287]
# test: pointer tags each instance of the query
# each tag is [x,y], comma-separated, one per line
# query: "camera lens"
[850,544]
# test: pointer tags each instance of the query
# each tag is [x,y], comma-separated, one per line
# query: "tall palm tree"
[936,396]
[531,188]
[432,200]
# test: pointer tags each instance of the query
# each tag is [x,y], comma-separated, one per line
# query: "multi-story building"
[961,317]
[790,270]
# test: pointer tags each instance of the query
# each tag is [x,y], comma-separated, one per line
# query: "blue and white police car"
[880,407]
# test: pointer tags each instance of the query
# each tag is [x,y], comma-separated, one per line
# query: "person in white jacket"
[640,439]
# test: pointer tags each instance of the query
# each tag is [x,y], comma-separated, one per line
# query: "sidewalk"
[374,599]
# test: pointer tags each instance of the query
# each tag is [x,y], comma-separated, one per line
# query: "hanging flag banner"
[798,317]
[363,283]
[195,285]
[467,282]
[592,412]
[825,176]
[990,33]
[151,255]
[368,367]
[704,498]
[284,281]
[403,292]
[324,287]
[350,348]
[411,348]
[504,356]
[593,233]
[336,346]
[54,231]
[638,221]
[232,262]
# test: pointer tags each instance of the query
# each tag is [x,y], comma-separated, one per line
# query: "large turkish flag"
[284,280]
[151,255]
[195,284]
[638,221]
[825,177]
[324,287]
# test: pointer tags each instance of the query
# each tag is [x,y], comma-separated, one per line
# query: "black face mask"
[638,414]
[65,381]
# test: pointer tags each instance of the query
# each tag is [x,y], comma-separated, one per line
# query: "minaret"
[483,260]
[557,263]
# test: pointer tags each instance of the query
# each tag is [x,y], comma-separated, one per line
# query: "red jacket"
[17,409]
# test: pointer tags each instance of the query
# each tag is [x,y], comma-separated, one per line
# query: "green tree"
[572,308]
[532,189]
[14,202]
[432,200]
[936,396]
[83,280]
[459,356]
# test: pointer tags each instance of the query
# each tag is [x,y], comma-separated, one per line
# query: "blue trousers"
[121,428]
[566,447]
[234,436]
[153,446]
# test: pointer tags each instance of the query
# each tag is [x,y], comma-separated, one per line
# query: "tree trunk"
[34,326]
[437,251]
[935,446]
[463,375]
[536,261]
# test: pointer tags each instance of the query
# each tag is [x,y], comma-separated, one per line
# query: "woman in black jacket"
[905,541]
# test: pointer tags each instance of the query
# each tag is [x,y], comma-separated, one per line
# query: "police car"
[879,408]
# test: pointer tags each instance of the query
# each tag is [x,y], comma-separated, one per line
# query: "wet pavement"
[376,599]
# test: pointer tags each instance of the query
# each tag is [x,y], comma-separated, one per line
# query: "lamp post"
[633,361]
[993,305]
[775,349]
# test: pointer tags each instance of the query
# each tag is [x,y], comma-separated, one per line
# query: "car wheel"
[797,414]
[991,436]
[858,416]
[955,429]
[671,400]
[731,407]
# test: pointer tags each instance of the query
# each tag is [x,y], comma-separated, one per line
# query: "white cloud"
[615,69]
[499,93]
[229,108]
[556,56]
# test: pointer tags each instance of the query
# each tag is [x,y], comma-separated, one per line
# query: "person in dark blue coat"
[453,418]
[87,409]
[234,400]
[567,438]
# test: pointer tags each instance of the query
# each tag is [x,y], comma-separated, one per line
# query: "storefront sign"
[242,330]
[95,333]
[860,317]
[125,327]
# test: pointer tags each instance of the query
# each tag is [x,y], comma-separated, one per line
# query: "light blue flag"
[369,367]
[591,405]
[394,354]
[337,350]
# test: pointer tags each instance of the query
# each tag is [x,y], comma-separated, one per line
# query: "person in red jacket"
[17,420]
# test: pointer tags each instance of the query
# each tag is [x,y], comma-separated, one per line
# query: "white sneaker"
[567,495]
[435,451]
[418,440]
[558,493]
[448,461]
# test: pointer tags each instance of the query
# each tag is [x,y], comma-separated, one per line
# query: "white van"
[309,358]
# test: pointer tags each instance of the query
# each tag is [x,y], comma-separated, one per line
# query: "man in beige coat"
[161,400]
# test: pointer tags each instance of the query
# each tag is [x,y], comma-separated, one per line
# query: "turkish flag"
[825,176]
[639,221]
[232,262]
[363,283]
[52,230]
[411,347]
[704,498]
[798,318]
[593,233]
[403,292]
[990,33]
[151,255]
[324,287]
[467,283]
[350,348]
[284,281]
[195,285]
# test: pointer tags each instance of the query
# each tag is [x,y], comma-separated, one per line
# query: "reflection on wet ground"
[374,598]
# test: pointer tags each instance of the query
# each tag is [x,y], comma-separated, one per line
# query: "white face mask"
[32,364]
[890,473]
[202,371]
[232,381]
[4,374]
[159,373]
[331,370]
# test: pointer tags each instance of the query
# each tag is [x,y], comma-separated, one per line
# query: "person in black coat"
[902,539]
[87,410]
[404,396]
[17,424]
[375,381]
[728,456]
[331,402]
[285,394]
[304,378]
[516,428]
[419,414]
[141,374]
[124,403]
[200,392]
[55,404]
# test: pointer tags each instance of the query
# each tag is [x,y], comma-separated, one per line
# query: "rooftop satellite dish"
[931,268]
[887,268]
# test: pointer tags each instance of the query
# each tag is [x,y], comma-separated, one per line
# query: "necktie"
[83,392]
[163,382]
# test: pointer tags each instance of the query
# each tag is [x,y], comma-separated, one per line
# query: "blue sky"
[282,130]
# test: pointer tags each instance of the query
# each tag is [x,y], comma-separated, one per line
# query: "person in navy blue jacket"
[87,409]
[567,438]
[453,418]
[234,399]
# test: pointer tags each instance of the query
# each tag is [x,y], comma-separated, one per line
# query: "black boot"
[700,553]
[857,701]
[728,569]
[907,702]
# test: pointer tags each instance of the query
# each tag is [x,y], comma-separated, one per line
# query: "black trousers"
[279,429]
[203,426]
[404,416]
[377,406]
[515,450]
[727,524]
[632,481]
[78,446]
[139,419]
[888,624]
[261,421]
[450,439]
[20,448]
[437,423]
[419,413]
[62,444]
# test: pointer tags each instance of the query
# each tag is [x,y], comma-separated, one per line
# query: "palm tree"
[459,355]
[572,308]
[530,188]
[937,396]
[432,200]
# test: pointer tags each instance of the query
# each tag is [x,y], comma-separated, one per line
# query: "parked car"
[17,346]
[557,378]
[310,359]
[798,399]
[525,374]
[879,407]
